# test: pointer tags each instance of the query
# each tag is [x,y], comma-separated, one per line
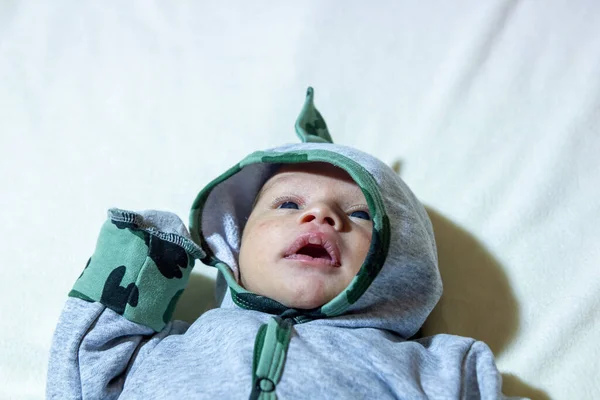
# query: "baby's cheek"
[275,232]
[368,235]
[362,238]
[263,225]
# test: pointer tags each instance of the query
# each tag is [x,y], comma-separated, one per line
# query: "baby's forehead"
[302,175]
[306,173]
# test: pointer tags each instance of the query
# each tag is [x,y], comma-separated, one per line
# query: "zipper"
[270,350]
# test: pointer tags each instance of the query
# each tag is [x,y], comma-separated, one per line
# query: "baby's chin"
[304,304]
[292,297]
[304,299]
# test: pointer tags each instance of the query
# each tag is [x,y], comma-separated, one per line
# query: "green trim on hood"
[367,273]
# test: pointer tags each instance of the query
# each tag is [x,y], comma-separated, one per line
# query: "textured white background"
[492,109]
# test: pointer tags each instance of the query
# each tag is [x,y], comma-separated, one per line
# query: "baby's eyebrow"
[267,186]
[275,180]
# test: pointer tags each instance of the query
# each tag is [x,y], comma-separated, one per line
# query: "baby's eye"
[289,204]
[361,214]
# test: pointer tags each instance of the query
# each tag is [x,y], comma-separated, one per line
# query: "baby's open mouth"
[314,251]
[314,248]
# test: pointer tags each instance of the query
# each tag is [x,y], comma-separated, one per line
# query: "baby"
[327,267]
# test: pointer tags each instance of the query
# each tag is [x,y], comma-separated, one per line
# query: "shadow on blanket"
[513,386]
[478,301]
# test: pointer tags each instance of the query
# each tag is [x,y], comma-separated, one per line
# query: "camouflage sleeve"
[140,267]
[121,305]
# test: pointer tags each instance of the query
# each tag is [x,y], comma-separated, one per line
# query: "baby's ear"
[310,125]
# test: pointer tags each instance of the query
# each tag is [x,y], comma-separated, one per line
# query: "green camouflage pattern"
[310,125]
[137,272]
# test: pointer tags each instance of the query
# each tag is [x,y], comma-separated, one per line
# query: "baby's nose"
[321,215]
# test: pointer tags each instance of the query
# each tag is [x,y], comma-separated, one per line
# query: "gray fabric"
[213,359]
[162,221]
[363,353]
[94,348]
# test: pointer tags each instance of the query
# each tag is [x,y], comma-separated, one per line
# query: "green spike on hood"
[310,125]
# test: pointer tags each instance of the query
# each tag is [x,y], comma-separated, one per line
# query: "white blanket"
[490,108]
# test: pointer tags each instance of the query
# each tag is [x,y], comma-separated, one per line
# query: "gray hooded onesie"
[115,337]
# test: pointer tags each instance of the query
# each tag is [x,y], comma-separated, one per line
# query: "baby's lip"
[319,239]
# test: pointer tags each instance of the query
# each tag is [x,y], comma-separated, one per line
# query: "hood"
[398,284]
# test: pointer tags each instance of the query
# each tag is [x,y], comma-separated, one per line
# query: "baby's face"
[307,236]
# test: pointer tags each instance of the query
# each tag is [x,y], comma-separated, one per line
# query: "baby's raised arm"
[121,305]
